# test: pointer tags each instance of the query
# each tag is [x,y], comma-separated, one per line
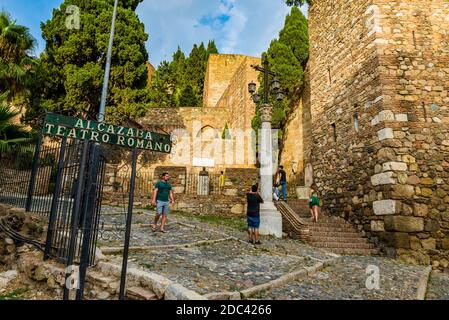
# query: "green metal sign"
[76,128]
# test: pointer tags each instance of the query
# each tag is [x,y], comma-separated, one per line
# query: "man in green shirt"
[161,198]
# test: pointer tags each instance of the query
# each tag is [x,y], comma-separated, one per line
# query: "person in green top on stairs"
[314,204]
[161,198]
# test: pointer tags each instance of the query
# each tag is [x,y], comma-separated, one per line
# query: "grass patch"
[234,223]
[14,295]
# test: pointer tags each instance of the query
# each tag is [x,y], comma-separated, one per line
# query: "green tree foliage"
[287,57]
[188,98]
[16,63]
[11,133]
[295,35]
[180,83]
[74,60]
[226,134]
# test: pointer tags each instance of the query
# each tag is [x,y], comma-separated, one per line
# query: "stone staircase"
[333,234]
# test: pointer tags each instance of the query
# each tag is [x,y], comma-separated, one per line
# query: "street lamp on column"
[271,219]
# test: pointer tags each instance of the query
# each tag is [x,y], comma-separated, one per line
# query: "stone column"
[270,218]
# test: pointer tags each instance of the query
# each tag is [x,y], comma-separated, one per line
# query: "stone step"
[358,239]
[139,293]
[353,251]
[329,224]
[318,228]
[99,278]
[349,234]
[331,233]
[343,245]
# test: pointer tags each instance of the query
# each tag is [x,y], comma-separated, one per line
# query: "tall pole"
[266,80]
[104,93]
[270,218]
[129,219]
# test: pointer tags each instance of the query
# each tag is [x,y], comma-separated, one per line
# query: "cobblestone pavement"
[227,266]
[347,281]
[143,236]
[235,265]
[438,288]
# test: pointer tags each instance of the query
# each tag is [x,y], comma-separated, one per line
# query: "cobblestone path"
[347,281]
[209,258]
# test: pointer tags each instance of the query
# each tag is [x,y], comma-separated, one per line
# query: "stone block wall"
[220,71]
[379,124]
[229,200]
[232,199]
[344,81]
[292,150]
[413,51]
[198,130]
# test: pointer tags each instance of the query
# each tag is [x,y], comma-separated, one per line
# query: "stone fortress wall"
[377,140]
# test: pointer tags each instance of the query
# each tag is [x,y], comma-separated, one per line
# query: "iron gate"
[73,205]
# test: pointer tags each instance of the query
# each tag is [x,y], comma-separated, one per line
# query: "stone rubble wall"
[413,52]
[384,63]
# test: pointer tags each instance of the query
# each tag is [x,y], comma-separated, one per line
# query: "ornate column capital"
[266,112]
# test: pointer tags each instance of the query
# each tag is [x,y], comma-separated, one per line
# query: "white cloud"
[233,28]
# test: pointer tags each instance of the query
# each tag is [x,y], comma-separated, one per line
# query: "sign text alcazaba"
[62,126]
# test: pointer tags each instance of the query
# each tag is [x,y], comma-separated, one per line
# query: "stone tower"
[377,114]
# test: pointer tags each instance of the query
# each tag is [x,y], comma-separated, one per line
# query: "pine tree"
[287,57]
[183,78]
[74,61]
[211,48]
[298,2]
[188,97]
[295,35]
[162,90]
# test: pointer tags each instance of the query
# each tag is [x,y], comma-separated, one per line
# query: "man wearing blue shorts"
[253,215]
[161,198]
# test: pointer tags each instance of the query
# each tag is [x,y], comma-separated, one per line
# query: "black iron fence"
[16,167]
[62,181]
[145,182]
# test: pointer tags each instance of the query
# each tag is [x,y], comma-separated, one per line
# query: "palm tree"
[16,47]
[11,134]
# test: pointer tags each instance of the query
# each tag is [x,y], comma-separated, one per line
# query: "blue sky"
[237,26]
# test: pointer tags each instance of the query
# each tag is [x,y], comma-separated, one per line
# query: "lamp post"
[93,159]
[270,218]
